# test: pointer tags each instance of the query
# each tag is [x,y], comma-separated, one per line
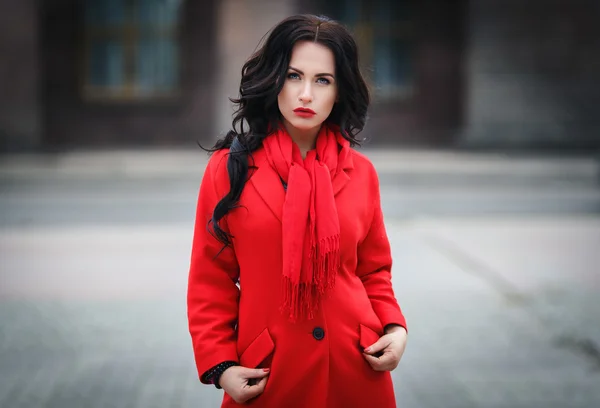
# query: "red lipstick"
[305,112]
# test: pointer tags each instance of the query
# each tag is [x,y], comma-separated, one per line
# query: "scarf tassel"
[301,299]
[326,262]
[297,300]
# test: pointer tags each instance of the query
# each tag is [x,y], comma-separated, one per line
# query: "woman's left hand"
[390,348]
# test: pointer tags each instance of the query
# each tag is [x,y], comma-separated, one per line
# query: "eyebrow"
[317,75]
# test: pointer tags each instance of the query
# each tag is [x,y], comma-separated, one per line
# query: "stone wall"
[533,74]
[71,121]
[19,76]
[241,25]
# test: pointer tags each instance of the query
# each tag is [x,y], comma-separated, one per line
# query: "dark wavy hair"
[263,77]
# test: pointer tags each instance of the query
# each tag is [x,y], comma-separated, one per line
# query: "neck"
[305,139]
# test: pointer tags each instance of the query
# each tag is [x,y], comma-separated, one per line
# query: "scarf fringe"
[301,300]
[298,300]
[325,257]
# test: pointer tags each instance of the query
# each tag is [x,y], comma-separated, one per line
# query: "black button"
[318,333]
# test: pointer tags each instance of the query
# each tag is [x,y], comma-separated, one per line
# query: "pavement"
[406,162]
[496,266]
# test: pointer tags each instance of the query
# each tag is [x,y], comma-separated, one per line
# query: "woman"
[292,214]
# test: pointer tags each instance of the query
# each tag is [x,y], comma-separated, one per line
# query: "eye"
[293,75]
[323,81]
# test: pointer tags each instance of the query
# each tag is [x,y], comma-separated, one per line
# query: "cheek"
[284,96]
[329,99]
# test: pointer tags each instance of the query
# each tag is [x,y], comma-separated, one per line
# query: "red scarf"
[310,223]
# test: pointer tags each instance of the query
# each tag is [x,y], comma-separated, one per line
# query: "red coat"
[316,363]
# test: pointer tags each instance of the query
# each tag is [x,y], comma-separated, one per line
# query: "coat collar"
[267,183]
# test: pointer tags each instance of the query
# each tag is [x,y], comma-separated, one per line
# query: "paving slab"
[94,316]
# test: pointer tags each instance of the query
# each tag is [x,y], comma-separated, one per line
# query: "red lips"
[304,112]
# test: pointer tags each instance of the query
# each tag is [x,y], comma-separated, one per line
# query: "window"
[384,31]
[130,49]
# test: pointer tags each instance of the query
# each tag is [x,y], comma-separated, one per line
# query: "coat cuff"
[391,315]
[211,359]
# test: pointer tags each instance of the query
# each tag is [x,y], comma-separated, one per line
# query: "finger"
[255,390]
[388,362]
[374,362]
[379,345]
[255,373]
[253,382]
[262,383]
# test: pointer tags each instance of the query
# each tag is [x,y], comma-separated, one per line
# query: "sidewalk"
[502,305]
[420,164]
[502,313]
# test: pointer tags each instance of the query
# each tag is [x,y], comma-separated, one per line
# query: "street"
[496,267]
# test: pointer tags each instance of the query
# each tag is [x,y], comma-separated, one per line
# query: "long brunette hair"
[263,77]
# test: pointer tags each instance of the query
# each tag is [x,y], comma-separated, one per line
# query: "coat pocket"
[368,336]
[258,351]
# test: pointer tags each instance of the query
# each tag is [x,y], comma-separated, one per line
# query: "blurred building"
[479,73]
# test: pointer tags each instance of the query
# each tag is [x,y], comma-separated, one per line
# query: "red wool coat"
[315,363]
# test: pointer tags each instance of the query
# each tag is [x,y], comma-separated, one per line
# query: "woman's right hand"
[242,383]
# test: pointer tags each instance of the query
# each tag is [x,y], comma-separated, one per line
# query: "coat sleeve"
[212,297]
[375,265]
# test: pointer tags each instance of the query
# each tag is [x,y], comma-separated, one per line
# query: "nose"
[306,94]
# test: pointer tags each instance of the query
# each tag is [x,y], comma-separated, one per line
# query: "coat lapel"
[343,177]
[340,181]
[267,184]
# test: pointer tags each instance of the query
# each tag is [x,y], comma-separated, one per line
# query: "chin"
[304,124]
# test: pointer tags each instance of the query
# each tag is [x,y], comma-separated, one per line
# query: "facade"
[459,73]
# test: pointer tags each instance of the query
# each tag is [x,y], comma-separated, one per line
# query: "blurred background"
[458,73]
[484,129]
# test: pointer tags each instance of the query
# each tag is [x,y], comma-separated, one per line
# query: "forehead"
[313,57]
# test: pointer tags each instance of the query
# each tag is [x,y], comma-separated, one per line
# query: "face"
[310,89]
